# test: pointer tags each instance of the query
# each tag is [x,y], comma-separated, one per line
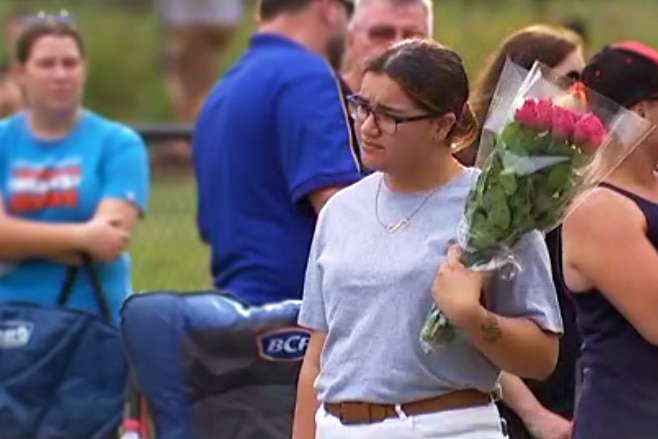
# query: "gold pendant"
[397,226]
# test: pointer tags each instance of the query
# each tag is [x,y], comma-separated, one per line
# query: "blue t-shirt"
[271,132]
[63,181]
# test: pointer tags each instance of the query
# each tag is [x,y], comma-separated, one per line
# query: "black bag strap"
[556,262]
[97,286]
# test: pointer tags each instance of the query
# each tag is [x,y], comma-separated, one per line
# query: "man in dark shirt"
[375,25]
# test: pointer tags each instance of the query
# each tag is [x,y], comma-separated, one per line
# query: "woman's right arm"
[606,247]
[23,239]
[307,402]
[312,315]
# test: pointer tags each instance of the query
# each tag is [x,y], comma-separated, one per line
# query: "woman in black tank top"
[610,265]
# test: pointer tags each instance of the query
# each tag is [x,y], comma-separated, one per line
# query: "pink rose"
[544,115]
[527,114]
[563,122]
[589,132]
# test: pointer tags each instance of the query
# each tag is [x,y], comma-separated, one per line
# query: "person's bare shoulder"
[601,210]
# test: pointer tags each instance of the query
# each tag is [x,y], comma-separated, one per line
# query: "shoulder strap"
[554,237]
[628,194]
[648,207]
[97,286]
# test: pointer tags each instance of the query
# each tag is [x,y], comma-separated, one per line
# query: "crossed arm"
[22,239]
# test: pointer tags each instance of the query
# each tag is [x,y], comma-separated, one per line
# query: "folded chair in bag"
[212,367]
[62,371]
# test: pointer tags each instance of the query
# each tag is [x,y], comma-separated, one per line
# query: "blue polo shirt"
[271,132]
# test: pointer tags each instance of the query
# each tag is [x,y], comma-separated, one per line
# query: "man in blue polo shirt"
[272,145]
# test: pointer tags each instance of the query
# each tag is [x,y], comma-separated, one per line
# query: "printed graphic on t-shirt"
[33,186]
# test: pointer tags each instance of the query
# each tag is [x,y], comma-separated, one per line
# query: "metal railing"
[161,132]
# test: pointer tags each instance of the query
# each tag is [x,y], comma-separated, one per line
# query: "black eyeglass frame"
[355,100]
[573,75]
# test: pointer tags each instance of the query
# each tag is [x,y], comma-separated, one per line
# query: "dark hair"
[625,72]
[30,34]
[434,78]
[268,9]
[547,44]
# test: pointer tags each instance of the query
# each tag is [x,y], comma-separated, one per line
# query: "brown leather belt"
[351,413]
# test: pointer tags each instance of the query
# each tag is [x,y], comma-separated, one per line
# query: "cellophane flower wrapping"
[545,142]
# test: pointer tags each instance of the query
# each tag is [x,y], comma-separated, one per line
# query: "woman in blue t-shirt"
[71,181]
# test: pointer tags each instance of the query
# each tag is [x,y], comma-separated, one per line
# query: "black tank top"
[557,392]
[619,393]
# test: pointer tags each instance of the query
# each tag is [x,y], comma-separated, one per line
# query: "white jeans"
[471,423]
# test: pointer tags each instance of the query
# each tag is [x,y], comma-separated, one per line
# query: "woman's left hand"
[456,289]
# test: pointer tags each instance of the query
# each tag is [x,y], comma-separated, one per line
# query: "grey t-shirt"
[369,290]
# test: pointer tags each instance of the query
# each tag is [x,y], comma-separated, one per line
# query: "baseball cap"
[625,72]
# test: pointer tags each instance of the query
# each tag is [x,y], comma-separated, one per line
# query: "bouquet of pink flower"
[554,143]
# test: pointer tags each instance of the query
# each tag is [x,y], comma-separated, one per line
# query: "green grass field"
[167,253]
[126,83]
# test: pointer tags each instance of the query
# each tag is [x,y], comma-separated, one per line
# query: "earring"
[455,148]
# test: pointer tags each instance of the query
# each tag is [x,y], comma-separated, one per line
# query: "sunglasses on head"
[574,75]
[62,18]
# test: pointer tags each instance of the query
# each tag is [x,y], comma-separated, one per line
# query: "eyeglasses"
[574,75]
[361,109]
[63,18]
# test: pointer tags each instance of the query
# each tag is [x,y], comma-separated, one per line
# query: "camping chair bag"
[210,366]
[62,371]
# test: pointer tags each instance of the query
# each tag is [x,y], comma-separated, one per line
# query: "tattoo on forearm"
[491,329]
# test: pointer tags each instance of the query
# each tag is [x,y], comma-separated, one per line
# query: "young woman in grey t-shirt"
[372,275]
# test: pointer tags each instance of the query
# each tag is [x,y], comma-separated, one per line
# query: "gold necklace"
[404,222]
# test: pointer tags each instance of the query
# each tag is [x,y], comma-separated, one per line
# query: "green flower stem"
[526,185]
